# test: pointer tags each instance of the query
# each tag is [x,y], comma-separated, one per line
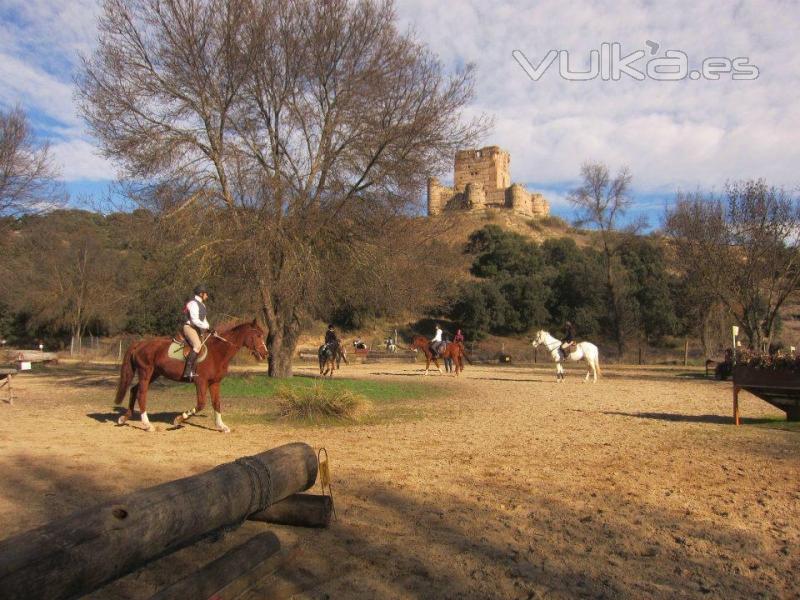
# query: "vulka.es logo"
[609,64]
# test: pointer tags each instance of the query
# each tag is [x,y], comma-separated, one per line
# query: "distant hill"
[455,228]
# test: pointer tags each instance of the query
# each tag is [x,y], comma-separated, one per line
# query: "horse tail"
[125,375]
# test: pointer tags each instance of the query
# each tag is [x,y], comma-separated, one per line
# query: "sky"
[696,132]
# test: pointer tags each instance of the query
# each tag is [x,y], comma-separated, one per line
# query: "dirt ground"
[507,486]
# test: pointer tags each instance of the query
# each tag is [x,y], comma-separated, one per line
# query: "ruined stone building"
[481,181]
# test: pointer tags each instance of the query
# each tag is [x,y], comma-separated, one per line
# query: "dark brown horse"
[330,358]
[149,360]
[453,351]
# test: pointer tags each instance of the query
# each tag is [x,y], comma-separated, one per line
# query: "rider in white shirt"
[195,324]
[436,342]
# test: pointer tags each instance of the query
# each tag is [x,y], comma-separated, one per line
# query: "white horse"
[583,350]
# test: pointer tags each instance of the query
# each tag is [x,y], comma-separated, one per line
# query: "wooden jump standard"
[79,553]
[779,388]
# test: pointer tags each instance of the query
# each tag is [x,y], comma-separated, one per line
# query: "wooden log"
[235,571]
[82,551]
[299,510]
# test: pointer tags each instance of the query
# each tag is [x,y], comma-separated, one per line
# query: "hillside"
[455,228]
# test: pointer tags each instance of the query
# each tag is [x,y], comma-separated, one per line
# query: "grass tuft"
[321,402]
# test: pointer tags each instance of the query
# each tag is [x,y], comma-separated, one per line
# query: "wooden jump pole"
[235,571]
[79,553]
[298,510]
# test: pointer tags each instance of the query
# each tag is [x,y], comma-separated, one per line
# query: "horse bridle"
[214,334]
[549,349]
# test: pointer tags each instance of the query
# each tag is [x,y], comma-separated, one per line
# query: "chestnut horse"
[149,360]
[453,351]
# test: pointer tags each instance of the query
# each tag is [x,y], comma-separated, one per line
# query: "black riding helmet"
[330,326]
[200,289]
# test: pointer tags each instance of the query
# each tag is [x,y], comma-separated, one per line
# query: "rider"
[458,338]
[569,338]
[331,339]
[436,342]
[195,323]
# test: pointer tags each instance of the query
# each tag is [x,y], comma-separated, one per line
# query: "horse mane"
[230,325]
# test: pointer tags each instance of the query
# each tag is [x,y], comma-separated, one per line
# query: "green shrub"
[321,402]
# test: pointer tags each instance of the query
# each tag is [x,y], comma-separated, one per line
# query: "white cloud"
[671,134]
[25,84]
[79,159]
[40,41]
[681,134]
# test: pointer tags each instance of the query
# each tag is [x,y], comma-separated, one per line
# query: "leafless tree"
[744,248]
[305,124]
[601,201]
[27,173]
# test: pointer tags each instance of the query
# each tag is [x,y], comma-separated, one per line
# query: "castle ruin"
[481,181]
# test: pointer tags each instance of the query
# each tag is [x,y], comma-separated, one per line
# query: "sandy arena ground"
[508,486]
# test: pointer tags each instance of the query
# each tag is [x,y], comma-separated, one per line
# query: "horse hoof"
[224,429]
[177,421]
[150,429]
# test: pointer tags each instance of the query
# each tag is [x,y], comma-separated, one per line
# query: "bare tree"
[743,248]
[601,201]
[26,171]
[305,124]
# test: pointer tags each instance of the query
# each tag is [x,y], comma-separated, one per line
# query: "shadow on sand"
[166,417]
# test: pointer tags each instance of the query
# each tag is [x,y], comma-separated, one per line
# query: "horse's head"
[254,340]
[418,343]
[539,338]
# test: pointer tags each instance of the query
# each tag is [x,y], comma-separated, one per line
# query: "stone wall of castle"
[481,181]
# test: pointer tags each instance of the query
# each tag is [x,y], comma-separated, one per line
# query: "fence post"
[686,352]
[119,354]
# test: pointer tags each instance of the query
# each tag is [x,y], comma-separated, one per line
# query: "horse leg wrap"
[146,422]
[189,413]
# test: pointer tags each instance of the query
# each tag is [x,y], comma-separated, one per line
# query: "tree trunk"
[282,345]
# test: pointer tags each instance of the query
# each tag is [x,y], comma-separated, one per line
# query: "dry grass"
[321,402]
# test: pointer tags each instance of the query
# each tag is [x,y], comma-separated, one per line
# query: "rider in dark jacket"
[330,337]
[569,338]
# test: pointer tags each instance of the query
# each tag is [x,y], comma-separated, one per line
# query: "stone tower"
[482,181]
[488,166]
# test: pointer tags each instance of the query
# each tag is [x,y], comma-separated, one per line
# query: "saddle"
[437,348]
[179,349]
[565,352]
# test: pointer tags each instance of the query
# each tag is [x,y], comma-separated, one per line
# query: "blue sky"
[672,134]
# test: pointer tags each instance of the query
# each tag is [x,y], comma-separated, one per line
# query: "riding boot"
[188,369]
